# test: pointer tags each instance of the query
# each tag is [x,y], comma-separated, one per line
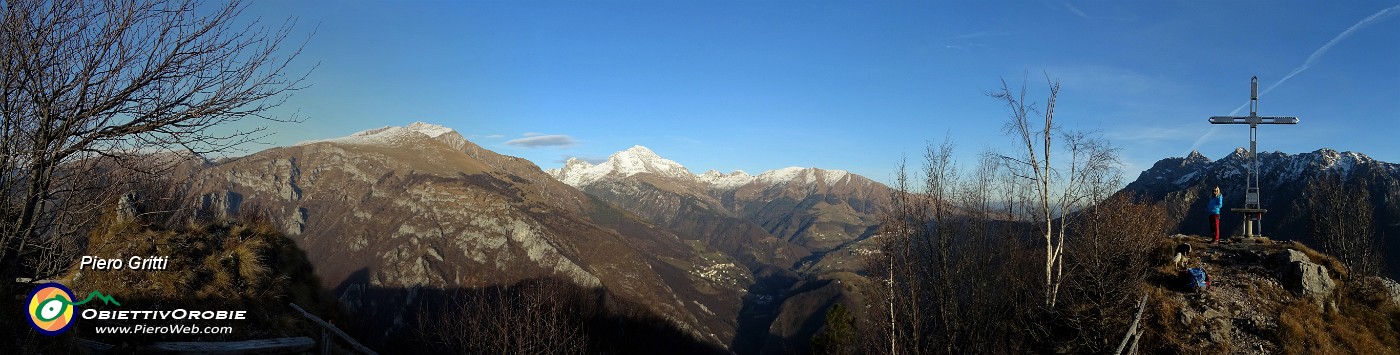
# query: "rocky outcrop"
[1303,277]
[218,205]
[1390,288]
[1290,256]
[1308,279]
[127,208]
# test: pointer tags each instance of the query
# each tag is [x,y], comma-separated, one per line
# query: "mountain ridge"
[1182,183]
[640,159]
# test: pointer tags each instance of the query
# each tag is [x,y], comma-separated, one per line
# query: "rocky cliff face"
[421,207]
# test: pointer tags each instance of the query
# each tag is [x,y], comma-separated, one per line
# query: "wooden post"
[1133,330]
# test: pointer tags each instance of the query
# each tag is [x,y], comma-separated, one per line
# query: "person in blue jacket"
[1214,208]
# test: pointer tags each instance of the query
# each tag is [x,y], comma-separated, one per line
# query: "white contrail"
[1312,59]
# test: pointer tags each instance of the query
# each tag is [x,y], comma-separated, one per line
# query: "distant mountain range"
[774,223]
[776,217]
[420,207]
[388,213]
[1183,183]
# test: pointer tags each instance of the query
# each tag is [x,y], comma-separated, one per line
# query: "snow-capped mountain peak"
[639,159]
[634,160]
[1196,156]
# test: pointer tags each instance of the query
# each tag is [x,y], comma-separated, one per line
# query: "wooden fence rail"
[325,343]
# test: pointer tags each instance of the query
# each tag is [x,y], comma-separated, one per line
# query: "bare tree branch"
[88,88]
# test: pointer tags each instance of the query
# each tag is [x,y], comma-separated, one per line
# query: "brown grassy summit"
[246,265]
[1254,307]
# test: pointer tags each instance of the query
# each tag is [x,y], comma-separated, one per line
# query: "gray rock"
[1288,256]
[297,223]
[1391,288]
[220,205]
[126,208]
[1308,279]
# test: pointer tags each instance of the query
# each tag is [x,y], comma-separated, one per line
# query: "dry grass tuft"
[1338,270]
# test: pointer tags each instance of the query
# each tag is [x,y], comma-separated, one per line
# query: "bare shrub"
[535,317]
[1109,261]
[1341,215]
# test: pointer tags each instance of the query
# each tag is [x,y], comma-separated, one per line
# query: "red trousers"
[1215,226]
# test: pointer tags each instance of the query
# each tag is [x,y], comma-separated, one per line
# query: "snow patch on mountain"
[429,129]
[389,135]
[832,177]
[729,181]
[806,176]
[1185,179]
[782,175]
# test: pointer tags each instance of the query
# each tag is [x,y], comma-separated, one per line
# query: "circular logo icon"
[51,308]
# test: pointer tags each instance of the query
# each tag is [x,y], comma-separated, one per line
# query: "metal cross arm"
[1253,120]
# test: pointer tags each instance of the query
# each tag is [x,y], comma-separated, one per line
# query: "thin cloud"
[1312,59]
[965,42]
[495,136]
[1317,54]
[984,34]
[1076,11]
[544,140]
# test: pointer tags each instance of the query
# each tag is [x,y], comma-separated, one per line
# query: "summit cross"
[1252,210]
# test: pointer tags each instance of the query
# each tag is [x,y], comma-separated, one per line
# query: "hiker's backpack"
[1199,279]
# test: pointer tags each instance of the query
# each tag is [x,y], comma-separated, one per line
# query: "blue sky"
[842,85]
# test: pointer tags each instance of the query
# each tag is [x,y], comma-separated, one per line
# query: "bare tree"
[949,260]
[901,227]
[1057,189]
[945,284]
[86,86]
[531,317]
[1342,218]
